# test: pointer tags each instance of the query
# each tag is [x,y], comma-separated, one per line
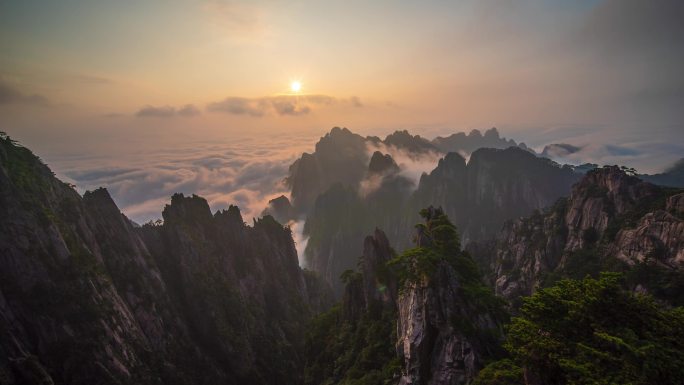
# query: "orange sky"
[78,70]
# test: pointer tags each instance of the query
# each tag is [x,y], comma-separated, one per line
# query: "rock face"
[378,284]
[414,144]
[447,322]
[280,209]
[599,197]
[87,297]
[435,347]
[382,164]
[372,285]
[495,186]
[610,218]
[506,184]
[658,235]
[446,186]
[445,330]
[340,157]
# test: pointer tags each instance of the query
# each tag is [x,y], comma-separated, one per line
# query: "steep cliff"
[66,310]
[240,288]
[340,157]
[281,209]
[430,303]
[611,221]
[507,184]
[449,323]
[86,297]
[354,341]
[479,196]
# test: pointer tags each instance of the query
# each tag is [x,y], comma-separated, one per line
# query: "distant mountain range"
[341,193]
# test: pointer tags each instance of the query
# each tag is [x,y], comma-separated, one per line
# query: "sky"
[109,92]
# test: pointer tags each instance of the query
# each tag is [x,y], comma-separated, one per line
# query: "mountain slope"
[430,303]
[85,296]
[611,221]
[494,186]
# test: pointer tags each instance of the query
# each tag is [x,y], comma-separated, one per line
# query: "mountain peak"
[413,143]
[192,209]
[382,163]
[280,208]
[492,133]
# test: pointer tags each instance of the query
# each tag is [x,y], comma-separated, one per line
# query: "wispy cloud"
[167,111]
[241,22]
[282,105]
[11,95]
[646,155]
[188,110]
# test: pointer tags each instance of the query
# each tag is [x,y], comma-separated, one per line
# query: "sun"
[296,86]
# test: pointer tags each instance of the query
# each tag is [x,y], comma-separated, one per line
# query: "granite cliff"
[495,185]
[610,221]
[86,295]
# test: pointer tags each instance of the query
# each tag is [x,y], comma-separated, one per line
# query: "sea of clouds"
[246,172]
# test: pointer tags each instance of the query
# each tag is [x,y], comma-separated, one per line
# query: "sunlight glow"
[296,86]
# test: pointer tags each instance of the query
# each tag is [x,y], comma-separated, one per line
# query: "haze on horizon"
[103,88]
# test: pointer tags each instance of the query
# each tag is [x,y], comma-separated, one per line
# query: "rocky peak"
[412,143]
[101,199]
[451,165]
[378,285]
[623,189]
[340,157]
[372,286]
[382,164]
[492,133]
[675,204]
[440,326]
[192,209]
[611,219]
[444,186]
[460,142]
[510,183]
[281,209]
[340,139]
[603,194]
[231,217]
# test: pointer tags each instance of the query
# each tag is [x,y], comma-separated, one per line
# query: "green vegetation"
[592,331]
[439,242]
[663,282]
[502,372]
[630,218]
[24,169]
[341,351]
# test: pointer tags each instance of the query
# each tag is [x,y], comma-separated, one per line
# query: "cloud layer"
[244,172]
[291,105]
[11,95]
[187,110]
